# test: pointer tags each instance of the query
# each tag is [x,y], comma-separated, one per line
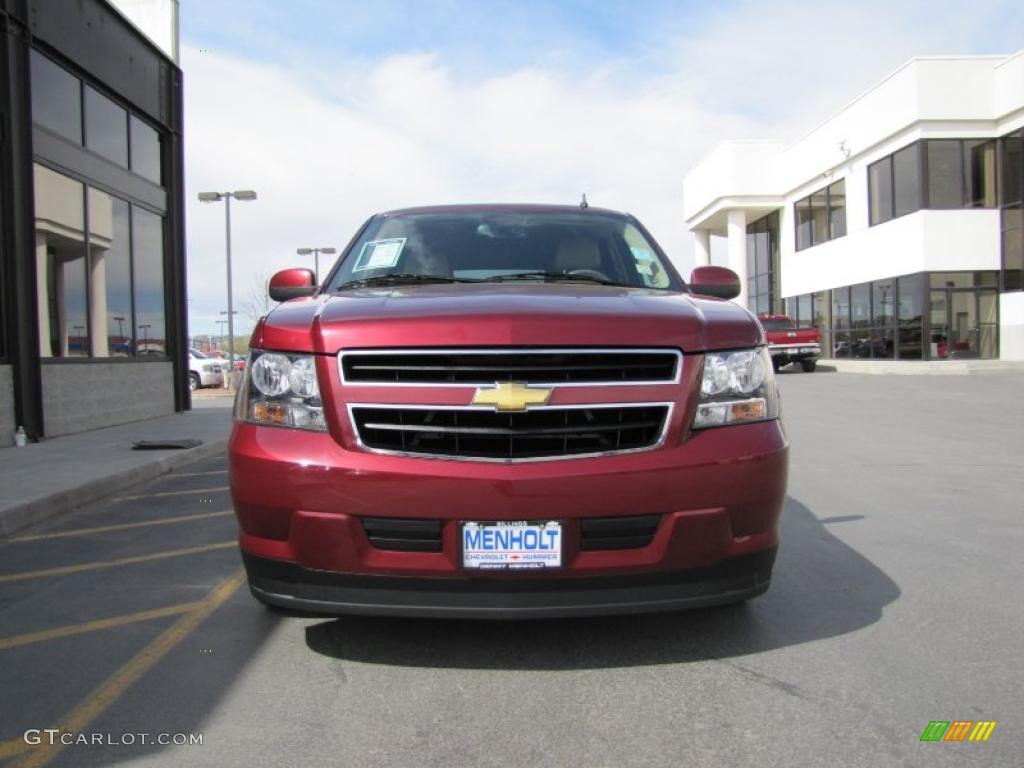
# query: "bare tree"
[256,302]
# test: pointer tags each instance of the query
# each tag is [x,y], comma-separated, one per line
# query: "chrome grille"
[532,366]
[543,433]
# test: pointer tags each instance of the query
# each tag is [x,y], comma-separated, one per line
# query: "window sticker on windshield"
[641,254]
[379,254]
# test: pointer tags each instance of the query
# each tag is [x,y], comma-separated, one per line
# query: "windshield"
[505,246]
[776,323]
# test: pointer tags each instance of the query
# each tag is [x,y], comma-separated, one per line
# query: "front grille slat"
[476,433]
[533,366]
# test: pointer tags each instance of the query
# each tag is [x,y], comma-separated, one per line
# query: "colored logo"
[958,730]
[511,396]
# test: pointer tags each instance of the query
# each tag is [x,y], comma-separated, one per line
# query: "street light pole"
[316,256]
[210,197]
[227,239]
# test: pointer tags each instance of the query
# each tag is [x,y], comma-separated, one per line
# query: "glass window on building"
[837,209]
[980,174]
[1013,248]
[803,224]
[880,190]
[819,217]
[145,158]
[111,262]
[1011,200]
[56,97]
[106,127]
[906,180]
[945,173]
[61,264]
[148,278]
[763,265]
[910,316]
[1011,188]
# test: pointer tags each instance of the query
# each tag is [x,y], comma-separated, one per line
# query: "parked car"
[502,412]
[203,372]
[788,343]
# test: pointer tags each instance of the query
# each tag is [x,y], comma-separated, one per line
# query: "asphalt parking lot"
[896,601]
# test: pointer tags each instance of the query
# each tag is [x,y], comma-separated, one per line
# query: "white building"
[895,225]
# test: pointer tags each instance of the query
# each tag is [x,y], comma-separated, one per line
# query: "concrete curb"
[24,514]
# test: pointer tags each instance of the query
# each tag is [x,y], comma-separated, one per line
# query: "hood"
[505,314]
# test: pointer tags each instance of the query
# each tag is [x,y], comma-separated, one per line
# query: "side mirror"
[291,284]
[715,281]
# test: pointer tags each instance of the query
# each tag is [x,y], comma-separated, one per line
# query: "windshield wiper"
[548,277]
[402,278]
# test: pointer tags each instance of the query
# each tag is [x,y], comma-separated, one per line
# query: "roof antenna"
[583,203]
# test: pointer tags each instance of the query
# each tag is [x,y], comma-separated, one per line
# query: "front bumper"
[795,352]
[291,586]
[301,497]
[211,378]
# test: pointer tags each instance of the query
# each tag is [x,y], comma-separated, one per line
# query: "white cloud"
[326,147]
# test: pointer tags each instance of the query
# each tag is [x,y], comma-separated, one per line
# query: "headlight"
[737,387]
[282,391]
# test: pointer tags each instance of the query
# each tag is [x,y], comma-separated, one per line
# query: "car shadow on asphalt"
[821,588]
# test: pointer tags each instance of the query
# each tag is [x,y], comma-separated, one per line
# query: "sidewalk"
[52,477]
[921,367]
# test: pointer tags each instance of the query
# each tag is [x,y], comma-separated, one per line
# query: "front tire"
[193,382]
[808,365]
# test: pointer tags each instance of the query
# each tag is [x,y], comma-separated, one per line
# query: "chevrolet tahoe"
[507,411]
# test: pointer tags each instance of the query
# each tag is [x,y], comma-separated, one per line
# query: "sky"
[334,110]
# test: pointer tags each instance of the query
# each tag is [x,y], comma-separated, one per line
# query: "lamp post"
[144,327]
[212,197]
[316,255]
[231,341]
[222,323]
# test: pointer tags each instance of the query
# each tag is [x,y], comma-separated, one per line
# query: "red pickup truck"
[789,344]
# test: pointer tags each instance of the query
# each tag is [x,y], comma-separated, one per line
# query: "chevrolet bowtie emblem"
[511,396]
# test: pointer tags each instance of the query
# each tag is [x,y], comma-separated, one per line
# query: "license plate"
[512,545]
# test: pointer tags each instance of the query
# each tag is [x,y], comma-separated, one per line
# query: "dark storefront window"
[910,318]
[145,158]
[56,98]
[763,265]
[106,127]
[821,216]
[148,274]
[885,319]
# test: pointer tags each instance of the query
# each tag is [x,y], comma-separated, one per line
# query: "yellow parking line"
[199,474]
[79,719]
[94,626]
[13,747]
[25,575]
[121,526]
[170,493]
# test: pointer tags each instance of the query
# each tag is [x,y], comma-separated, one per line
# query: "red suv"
[507,411]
